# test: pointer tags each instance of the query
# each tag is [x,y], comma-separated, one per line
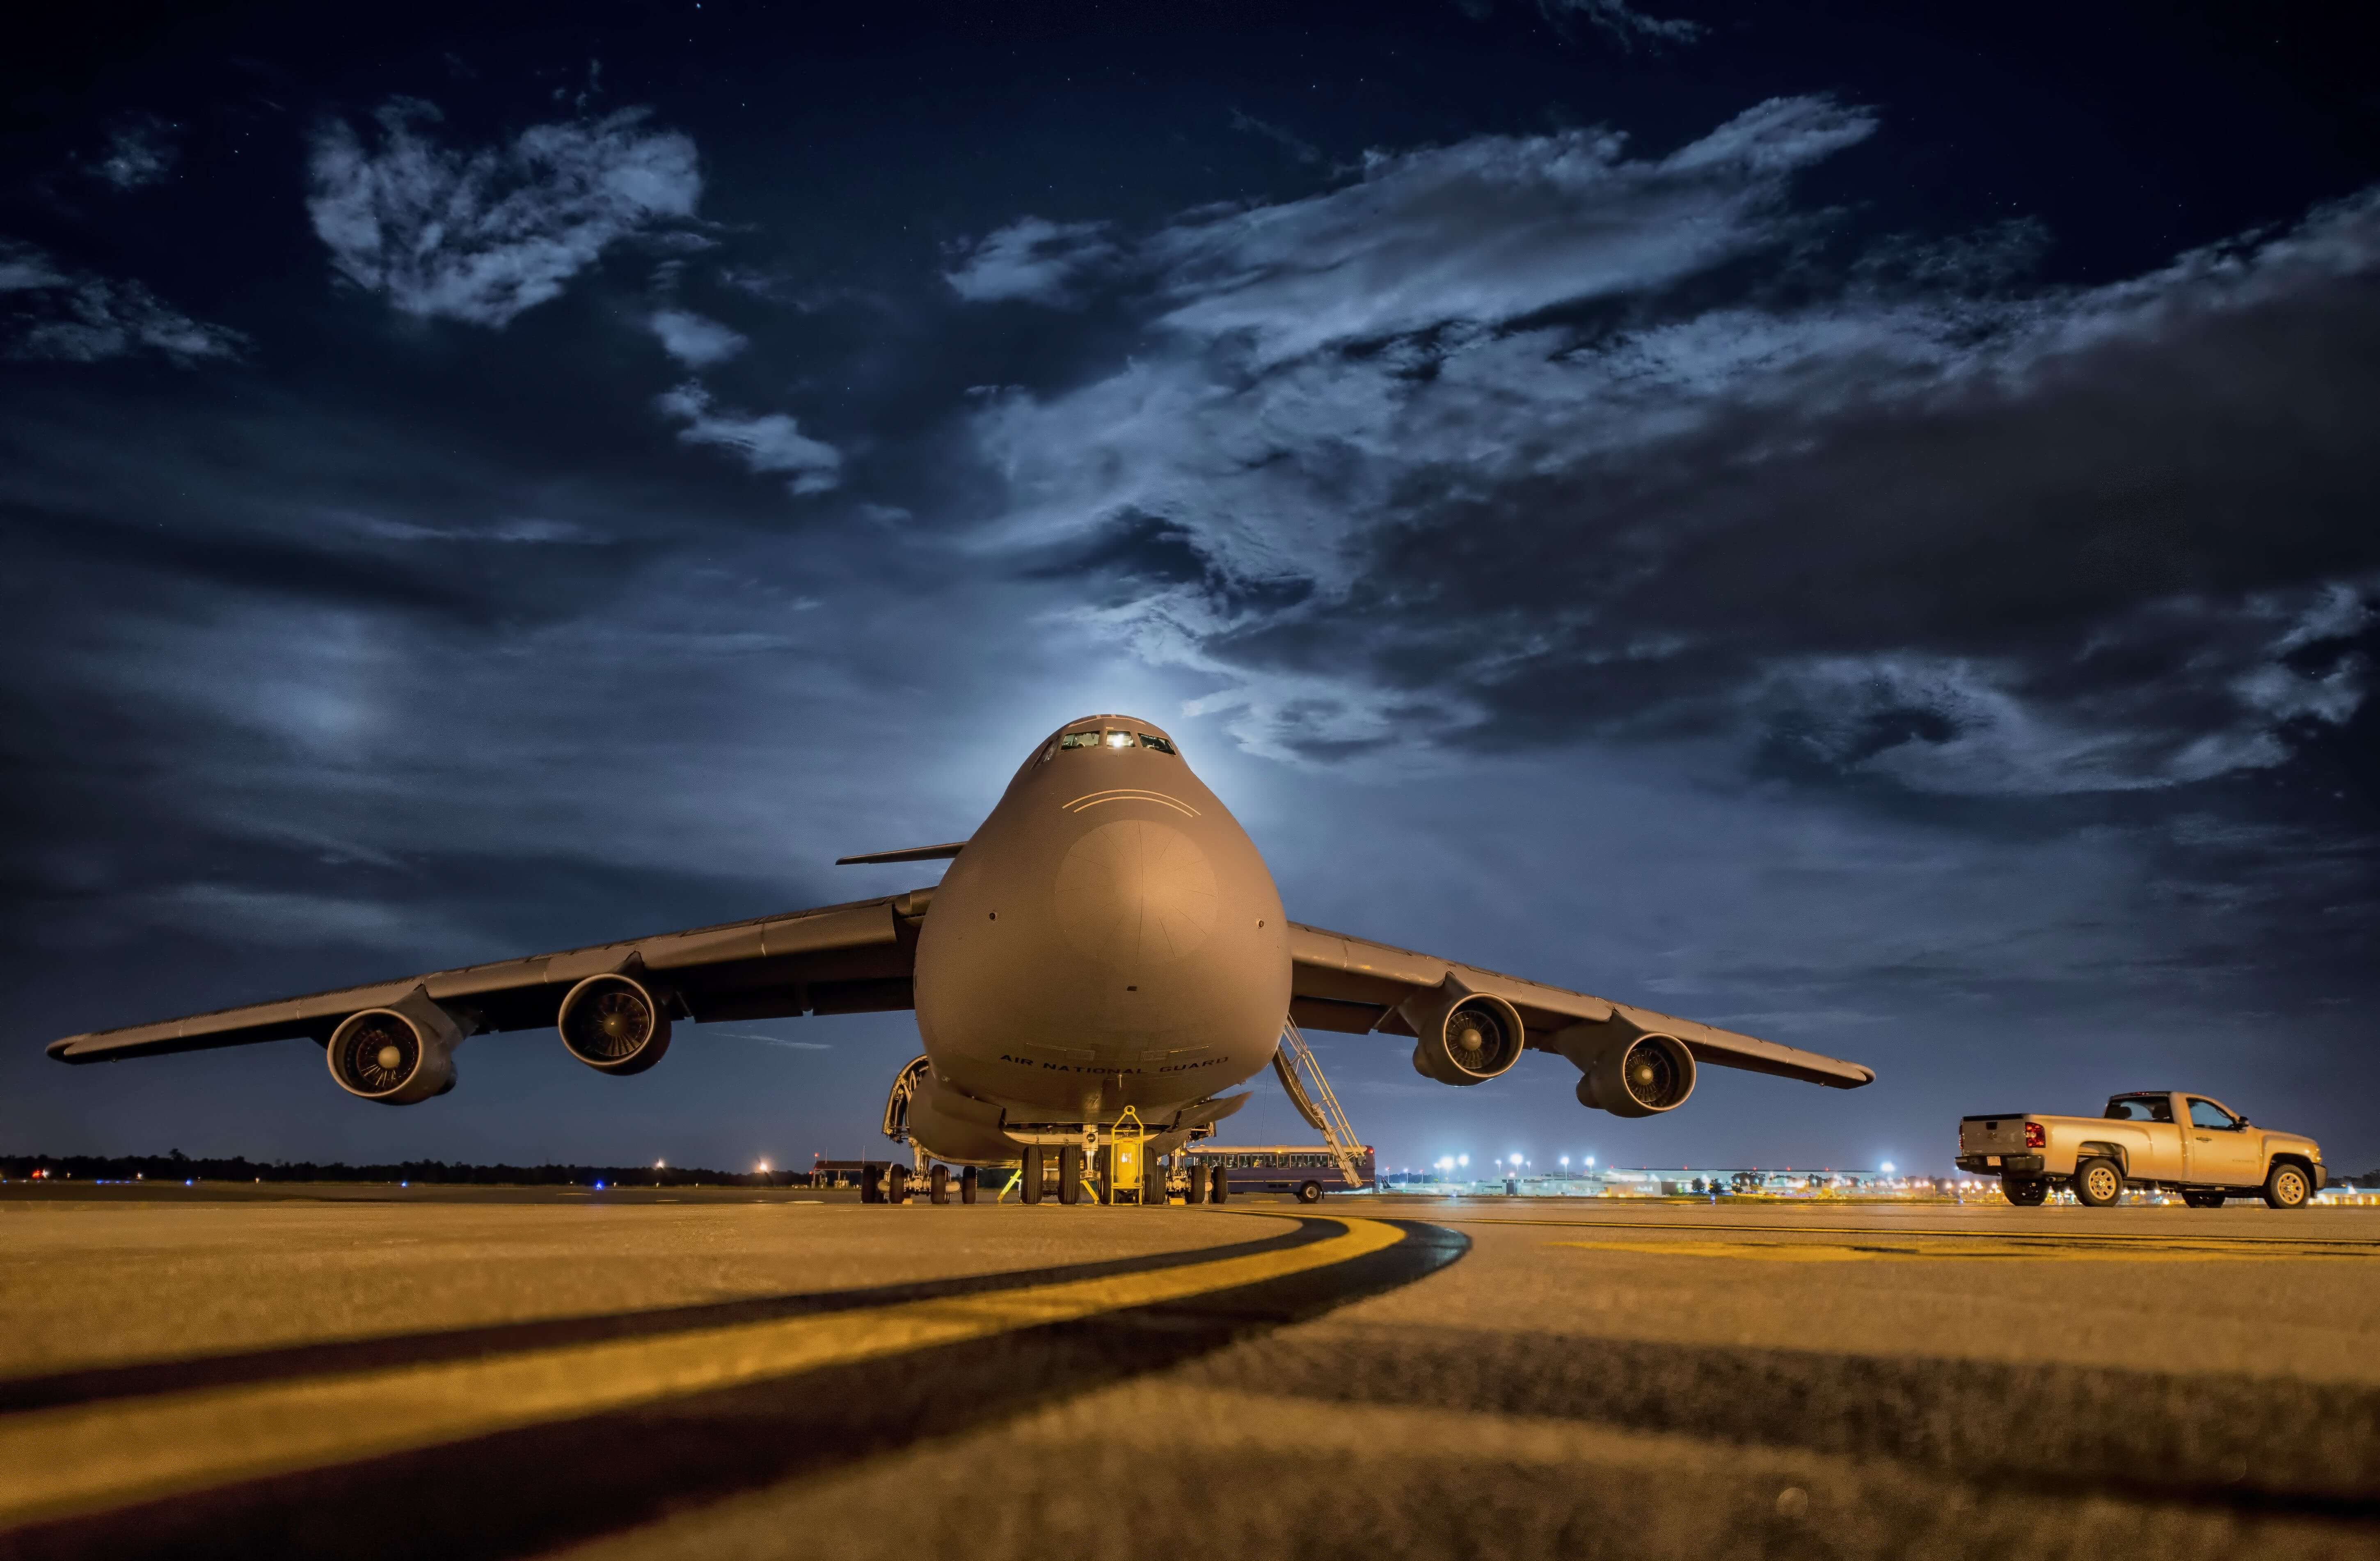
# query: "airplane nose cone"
[1135,894]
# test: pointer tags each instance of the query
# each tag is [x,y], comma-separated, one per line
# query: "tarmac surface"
[381,1372]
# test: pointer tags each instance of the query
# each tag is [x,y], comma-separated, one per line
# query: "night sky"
[1855,528]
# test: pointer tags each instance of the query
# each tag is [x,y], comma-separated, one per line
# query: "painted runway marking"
[85,1458]
[1887,1233]
[2076,1249]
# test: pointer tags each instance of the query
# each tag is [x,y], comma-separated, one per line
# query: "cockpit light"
[1113,737]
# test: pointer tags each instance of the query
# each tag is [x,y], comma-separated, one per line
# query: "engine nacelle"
[398,1055]
[615,1024]
[945,1121]
[1465,1036]
[1640,1076]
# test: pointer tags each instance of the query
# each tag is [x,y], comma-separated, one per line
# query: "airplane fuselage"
[1110,936]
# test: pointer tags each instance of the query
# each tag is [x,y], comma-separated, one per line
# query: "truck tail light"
[2036,1136]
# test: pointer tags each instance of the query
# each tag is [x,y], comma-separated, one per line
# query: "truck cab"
[2189,1143]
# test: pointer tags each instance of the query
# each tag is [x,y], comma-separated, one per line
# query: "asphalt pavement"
[261,1371]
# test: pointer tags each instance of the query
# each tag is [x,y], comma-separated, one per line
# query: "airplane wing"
[916,853]
[1354,985]
[838,960]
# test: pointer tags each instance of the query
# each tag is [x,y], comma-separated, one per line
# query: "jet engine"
[1467,1037]
[397,1055]
[1640,1076]
[615,1024]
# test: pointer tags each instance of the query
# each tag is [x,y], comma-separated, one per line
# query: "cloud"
[1296,146]
[769,442]
[74,316]
[1492,229]
[479,236]
[141,150]
[779,1040]
[24,268]
[1031,259]
[276,917]
[1623,23]
[1525,440]
[694,341]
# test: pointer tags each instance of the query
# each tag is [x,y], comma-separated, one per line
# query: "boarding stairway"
[1301,1079]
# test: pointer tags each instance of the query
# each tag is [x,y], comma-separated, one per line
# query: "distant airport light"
[1887,1167]
[764,1167]
[1463,1160]
[657,1164]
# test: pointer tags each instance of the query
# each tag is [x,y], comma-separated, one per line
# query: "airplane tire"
[2025,1194]
[969,1181]
[2203,1199]
[1103,1172]
[2098,1183]
[1029,1187]
[1069,1173]
[1219,1186]
[938,1185]
[1194,1189]
[2287,1187]
[896,1184]
[1309,1192]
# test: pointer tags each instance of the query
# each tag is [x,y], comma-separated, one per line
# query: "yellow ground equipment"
[1127,1179]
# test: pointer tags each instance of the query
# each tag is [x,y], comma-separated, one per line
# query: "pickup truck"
[2164,1138]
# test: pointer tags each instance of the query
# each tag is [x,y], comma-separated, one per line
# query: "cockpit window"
[1110,738]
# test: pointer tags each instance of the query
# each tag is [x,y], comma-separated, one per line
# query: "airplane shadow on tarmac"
[530,1489]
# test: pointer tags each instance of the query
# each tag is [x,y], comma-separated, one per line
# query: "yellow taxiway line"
[1875,1249]
[83,1458]
[1893,1233]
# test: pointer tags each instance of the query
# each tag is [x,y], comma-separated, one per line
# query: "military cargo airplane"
[1108,938]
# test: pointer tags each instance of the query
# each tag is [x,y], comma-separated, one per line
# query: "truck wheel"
[2024,1194]
[2099,1184]
[2203,1199]
[1309,1192]
[2288,1187]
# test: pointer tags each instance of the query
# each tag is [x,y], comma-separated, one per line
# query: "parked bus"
[1300,1168]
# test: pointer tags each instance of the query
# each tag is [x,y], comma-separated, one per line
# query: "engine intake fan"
[1643,1076]
[397,1055]
[1467,1037]
[615,1024]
